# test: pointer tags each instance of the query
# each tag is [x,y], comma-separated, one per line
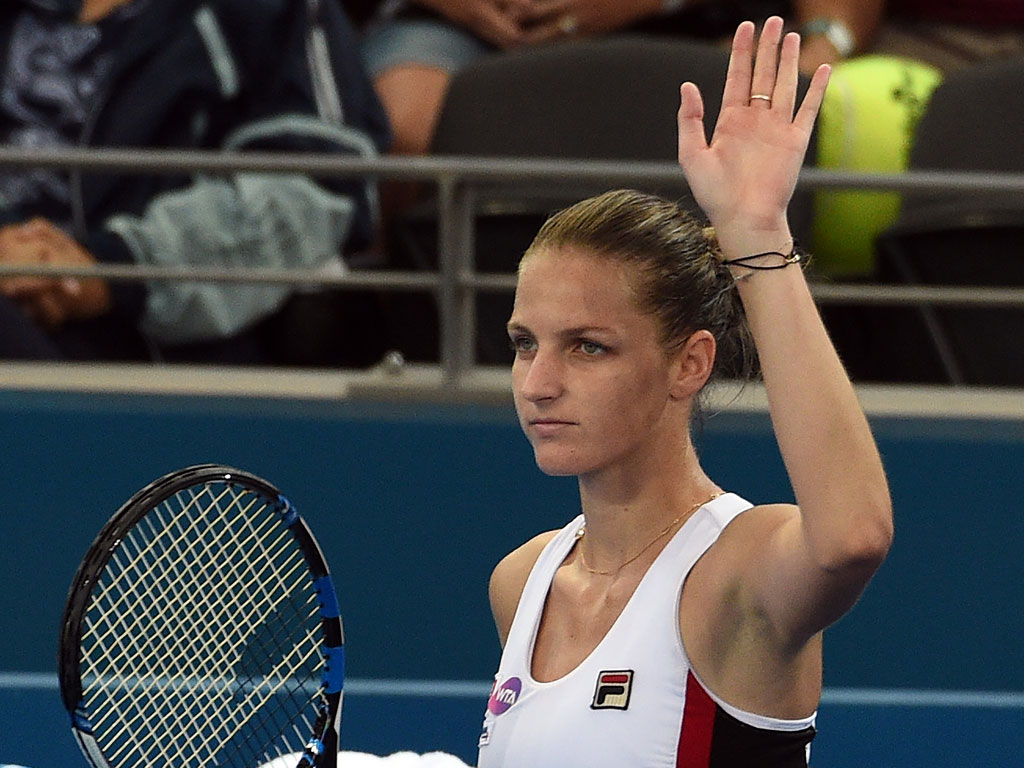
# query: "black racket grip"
[321,752]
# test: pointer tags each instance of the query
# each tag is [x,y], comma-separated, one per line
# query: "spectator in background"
[182,74]
[870,114]
[414,47]
[949,34]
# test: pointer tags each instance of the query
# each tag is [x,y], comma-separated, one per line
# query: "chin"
[558,463]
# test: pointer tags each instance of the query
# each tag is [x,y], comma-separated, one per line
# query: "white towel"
[365,760]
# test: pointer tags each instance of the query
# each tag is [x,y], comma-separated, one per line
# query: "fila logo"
[613,689]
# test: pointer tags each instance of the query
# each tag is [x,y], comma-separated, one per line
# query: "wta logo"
[504,696]
[613,689]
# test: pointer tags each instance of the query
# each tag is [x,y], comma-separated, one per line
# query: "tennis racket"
[202,629]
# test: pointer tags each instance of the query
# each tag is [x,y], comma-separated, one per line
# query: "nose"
[540,377]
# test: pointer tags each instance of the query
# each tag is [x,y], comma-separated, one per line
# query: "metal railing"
[461,184]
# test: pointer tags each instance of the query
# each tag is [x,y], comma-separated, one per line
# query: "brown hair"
[680,280]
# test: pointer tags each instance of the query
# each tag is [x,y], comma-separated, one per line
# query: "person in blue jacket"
[233,75]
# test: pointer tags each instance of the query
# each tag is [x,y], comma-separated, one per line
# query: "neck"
[628,507]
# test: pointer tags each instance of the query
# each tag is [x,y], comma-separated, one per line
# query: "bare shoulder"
[744,543]
[509,578]
[751,527]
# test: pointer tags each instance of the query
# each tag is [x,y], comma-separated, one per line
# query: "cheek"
[518,372]
[627,408]
[638,406]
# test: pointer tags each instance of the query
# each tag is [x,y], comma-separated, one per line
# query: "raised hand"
[744,178]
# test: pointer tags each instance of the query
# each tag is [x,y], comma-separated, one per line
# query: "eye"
[522,344]
[591,348]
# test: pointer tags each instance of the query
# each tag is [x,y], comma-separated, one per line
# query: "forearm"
[826,443]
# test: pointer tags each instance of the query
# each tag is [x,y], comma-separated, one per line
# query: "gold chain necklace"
[582,531]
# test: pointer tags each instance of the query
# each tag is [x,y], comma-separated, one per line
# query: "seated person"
[949,35]
[175,74]
[414,47]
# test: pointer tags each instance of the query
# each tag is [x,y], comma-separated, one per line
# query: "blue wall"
[413,505]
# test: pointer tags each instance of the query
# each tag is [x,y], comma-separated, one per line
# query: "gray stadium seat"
[962,238]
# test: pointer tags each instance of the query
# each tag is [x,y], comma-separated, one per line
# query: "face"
[591,381]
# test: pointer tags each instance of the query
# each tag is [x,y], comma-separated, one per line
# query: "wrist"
[744,239]
[745,267]
[835,31]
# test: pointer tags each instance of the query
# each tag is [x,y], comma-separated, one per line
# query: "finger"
[498,29]
[41,230]
[516,10]
[763,81]
[539,10]
[38,232]
[50,310]
[19,287]
[808,111]
[690,118]
[737,78]
[784,98]
[504,34]
[563,27]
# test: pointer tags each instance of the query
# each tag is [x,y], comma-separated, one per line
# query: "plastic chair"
[961,237]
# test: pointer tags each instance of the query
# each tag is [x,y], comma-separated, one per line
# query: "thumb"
[690,119]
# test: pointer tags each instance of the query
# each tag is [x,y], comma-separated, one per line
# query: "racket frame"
[322,748]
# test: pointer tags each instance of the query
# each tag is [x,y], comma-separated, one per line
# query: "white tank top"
[624,705]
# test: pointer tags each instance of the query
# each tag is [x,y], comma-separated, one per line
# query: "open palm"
[744,178]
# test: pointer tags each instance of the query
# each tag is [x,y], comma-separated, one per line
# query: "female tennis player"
[673,623]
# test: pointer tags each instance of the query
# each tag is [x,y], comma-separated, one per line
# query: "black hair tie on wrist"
[793,257]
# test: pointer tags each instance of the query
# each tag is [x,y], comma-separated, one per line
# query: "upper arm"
[508,580]
[782,582]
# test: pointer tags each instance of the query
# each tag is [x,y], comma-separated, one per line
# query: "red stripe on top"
[614,678]
[698,725]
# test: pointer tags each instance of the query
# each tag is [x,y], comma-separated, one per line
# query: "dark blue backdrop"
[414,504]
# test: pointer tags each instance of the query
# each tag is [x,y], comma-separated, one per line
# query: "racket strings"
[179,687]
[207,616]
[188,576]
[224,698]
[235,603]
[173,584]
[149,634]
[257,695]
[151,555]
[192,688]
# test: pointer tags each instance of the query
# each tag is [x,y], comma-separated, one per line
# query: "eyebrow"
[581,330]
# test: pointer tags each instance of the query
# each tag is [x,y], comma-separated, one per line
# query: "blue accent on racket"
[290,514]
[334,669]
[81,721]
[314,749]
[329,607]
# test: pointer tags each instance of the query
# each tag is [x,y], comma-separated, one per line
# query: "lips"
[549,427]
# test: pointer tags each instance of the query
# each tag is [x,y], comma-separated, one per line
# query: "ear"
[692,364]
